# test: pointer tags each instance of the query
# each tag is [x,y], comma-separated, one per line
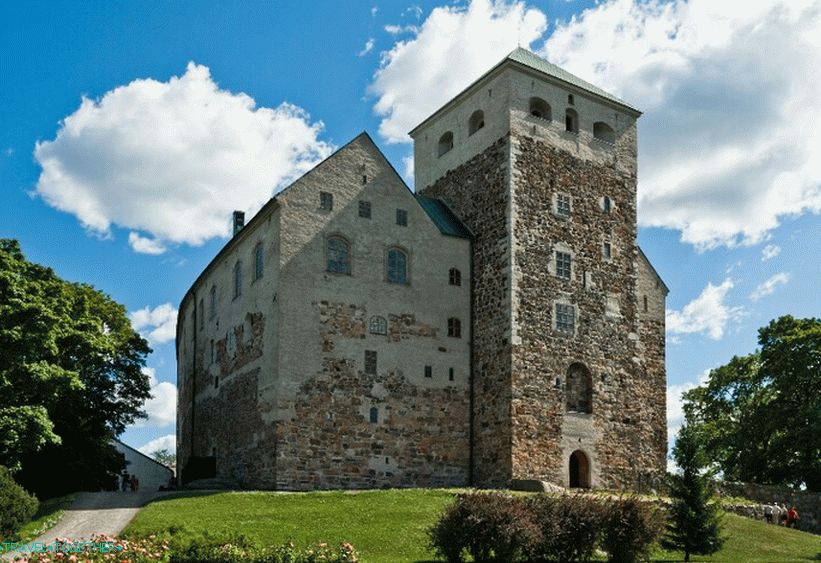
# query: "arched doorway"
[579,470]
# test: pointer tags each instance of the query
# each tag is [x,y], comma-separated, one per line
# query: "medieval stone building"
[498,324]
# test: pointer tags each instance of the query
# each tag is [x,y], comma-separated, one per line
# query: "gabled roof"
[445,219]
[643,256]
[534,62]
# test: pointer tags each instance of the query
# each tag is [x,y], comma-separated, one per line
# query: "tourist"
[135,484]
[125,482]
[768,513]
[792,517]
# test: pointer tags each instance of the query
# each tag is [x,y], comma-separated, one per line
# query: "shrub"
[569,526]
[488,526]
[17,506]
[630,528]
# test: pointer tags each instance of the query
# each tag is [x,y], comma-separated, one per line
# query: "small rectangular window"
[607,250]
[216,381]
[454,277]
[450,374]
[370,362]
[565,318]
[563,205]
[563,265]
[213,356]
[454,327]
[365,209]
[428,371]
[326,201]
[402,217]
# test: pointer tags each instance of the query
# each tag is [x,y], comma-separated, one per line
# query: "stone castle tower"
[567,312]
[500,324]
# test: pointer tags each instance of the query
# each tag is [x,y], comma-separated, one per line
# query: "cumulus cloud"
[161,408]
[724,151]
[157,325]
[769,286]
[769,252]
[706,314]
[167,442]
[453,47]
[367,48]
[173,159]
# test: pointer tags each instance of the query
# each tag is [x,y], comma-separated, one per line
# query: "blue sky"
[130,130]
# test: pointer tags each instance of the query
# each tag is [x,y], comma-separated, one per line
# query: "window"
[213,356]
[571,121]
[540,108]
[603,132]
[339,256]
[216,381]
[397,266]
[570,100]
[374,415]
[563,205]
[370,362]
[563,265]
[212,303]
[378,325]
[606,204]
[450,374]
[645,303]
[607,250]
[326,201]
[579,389]
[259,265]
[565,318]
[454,327]
[428,371]
[237,279]
[454,277]
[445,143]
[402,217]
[365,209]
[364,179]
[476,122]
[202,314]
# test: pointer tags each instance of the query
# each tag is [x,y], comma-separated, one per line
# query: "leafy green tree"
[694,525]
[165,457]
[70,377]
[758,418]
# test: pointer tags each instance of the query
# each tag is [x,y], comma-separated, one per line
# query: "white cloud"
[161,408]
[707,314]
[454,46]
[173,159]
[167,442]
[769,252]
[157,325]
[407,169]
[394,29]
[726,147]
[769,286]
[374,10]
[368,47]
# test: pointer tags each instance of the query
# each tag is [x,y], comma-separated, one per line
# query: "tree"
[694,525]
[70,378]
[759,417]
[165,457]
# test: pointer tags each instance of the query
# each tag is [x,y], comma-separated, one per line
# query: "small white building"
[151,473]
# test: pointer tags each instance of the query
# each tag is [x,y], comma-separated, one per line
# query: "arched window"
[476,122]
[212,303]
[539,108]
[397,266]
[237,279]
[606,204]
[571,121]
[378,325]
[454,277]
[603,132]
[454,327]
[579,389]
[374,415]
[258,263]
[338,253]
[445,143]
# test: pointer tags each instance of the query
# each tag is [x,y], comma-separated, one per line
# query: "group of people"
[778,514]
[129,482]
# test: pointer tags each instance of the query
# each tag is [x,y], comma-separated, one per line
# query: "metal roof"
[532,60]
[447,222]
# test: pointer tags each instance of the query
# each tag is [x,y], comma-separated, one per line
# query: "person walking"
[768,513]
[125,484]
[135,484]
[792,518]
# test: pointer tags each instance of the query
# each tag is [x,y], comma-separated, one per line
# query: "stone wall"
[478,192]
[808,504]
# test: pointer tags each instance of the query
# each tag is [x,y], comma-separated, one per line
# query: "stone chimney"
[239,221]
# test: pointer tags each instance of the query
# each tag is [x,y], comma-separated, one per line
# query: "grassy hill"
[389,526]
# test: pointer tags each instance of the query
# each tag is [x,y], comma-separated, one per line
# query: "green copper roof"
[443,217]
[535,62]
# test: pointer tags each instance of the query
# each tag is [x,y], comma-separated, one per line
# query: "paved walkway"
[97,513]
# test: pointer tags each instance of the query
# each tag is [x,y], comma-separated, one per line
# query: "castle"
[499,324]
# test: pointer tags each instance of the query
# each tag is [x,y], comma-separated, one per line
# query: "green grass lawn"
[389,526]
[48,514]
